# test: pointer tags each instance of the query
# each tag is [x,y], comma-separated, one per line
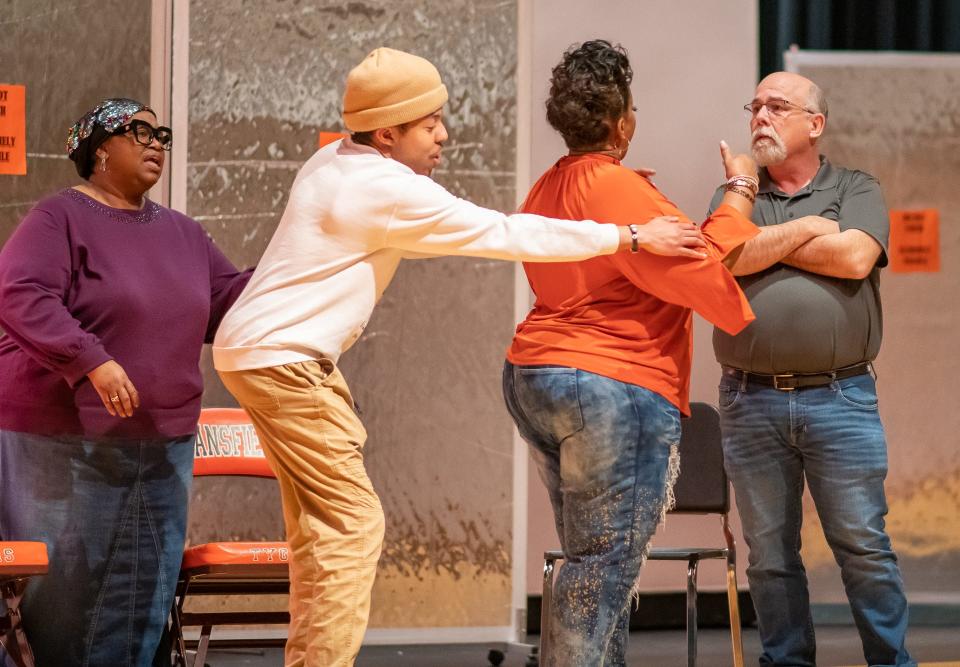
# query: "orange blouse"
[626,316]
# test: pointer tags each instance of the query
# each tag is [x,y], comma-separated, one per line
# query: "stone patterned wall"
[902,124]
[264,79]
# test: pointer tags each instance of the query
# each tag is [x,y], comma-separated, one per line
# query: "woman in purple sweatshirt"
[106,299]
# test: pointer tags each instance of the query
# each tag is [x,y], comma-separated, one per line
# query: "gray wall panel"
[70,55]
[901,123]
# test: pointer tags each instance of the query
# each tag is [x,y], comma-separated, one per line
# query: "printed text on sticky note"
[13,129]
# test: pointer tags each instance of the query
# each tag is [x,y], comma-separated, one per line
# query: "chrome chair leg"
[546,602]
[692,565]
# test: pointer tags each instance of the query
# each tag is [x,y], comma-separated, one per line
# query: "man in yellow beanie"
[356,208]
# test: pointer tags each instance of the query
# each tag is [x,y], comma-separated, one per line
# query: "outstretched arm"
[428,220]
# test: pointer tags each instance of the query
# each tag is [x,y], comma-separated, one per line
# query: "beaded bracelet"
[748,182]
[746,177]
[740,191]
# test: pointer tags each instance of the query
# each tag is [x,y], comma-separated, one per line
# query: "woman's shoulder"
[617,180]
[180,220]
[186,227]
[618,172]
[56,203]
[47,222]
[53,210]
[173,214]
[619,194]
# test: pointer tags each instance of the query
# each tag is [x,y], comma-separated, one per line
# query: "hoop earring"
[103,163]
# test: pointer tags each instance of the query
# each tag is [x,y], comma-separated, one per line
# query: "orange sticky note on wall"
[915,240]
[329,137]
[13,129]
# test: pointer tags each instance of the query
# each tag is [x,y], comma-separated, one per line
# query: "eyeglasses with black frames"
[144,133]
[775,107]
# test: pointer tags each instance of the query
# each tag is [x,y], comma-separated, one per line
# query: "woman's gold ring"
[114,398]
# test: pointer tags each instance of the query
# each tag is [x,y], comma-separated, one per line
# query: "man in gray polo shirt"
[797,396]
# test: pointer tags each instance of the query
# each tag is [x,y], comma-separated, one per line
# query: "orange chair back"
[227,444]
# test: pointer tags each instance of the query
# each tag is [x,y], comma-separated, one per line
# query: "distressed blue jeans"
[113,516]
[830,436]
[603,449]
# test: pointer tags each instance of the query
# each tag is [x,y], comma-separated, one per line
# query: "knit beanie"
[391,88]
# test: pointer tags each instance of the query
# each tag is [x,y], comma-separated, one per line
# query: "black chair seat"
[683,553]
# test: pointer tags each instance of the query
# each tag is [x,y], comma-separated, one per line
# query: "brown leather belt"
[791,381]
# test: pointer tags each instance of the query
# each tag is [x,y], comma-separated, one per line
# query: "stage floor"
[837,645]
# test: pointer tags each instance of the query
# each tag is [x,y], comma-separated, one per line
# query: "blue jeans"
[603,450]
[832,437]
[113,516]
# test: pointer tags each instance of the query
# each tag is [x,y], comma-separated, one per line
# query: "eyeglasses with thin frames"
[144,133]
[775,107]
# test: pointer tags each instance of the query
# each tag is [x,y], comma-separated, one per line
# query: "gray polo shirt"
[807,323]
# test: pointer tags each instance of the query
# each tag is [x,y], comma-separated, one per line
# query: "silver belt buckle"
[776,382]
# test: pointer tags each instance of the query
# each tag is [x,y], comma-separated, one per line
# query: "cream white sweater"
[353,214]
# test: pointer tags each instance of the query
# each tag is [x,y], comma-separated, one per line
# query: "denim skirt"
[113,516]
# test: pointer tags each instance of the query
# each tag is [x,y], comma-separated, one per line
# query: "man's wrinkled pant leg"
[846,466]
[766,471]
[313,440]
[830,437]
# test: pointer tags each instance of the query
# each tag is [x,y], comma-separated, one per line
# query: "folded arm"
[847,248]
[849,254]
[774,243]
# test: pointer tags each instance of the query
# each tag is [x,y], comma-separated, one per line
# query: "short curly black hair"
[589,89]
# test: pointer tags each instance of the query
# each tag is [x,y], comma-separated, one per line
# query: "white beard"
[768,152]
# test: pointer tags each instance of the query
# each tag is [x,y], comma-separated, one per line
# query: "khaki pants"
[313,440]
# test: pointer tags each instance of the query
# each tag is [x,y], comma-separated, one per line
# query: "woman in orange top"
[598,373]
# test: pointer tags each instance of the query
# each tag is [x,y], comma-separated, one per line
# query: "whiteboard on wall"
[897,116]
